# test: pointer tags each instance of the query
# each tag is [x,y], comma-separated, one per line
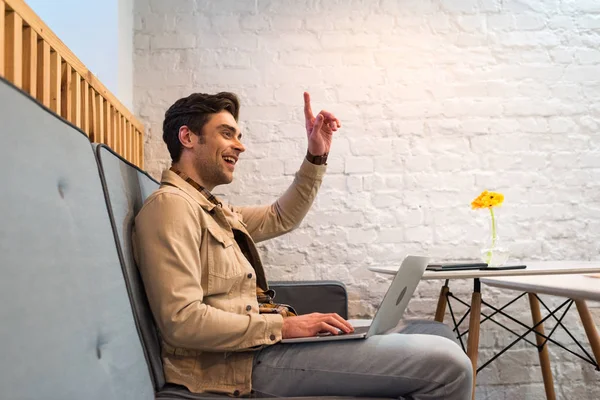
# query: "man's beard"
[213,173]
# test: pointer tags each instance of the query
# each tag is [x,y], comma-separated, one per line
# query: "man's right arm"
[167,241]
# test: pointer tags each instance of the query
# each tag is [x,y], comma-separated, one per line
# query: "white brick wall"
[439,99]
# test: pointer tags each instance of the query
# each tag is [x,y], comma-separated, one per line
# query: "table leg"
[590,328]
[474,322]
[536,315]
[440,311]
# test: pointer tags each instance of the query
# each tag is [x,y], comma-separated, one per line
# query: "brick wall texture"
[439,100]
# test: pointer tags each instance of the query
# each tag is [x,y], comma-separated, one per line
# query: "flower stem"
[493,228]
[489,254]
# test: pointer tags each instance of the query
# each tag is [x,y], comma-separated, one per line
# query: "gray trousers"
[420,362]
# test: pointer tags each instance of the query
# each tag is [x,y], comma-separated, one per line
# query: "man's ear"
[186,137]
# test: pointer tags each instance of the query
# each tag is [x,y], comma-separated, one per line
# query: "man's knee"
[458,358]
[457,367]
[442,365]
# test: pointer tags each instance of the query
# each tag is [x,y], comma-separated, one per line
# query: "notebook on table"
[465,266]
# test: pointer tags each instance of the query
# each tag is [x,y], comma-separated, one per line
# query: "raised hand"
[319,129]
[310,324]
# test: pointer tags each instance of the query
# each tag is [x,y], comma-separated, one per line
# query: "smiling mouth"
[230,160]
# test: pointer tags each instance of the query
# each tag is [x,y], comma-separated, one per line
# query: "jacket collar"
[172,179]
[233,219]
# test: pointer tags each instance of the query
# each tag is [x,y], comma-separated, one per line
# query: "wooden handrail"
[33,58]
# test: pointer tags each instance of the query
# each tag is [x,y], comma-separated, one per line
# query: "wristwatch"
[317,160]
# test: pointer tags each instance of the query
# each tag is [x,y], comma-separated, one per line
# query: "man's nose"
[239,146]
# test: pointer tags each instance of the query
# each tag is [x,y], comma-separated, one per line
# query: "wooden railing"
[34,59]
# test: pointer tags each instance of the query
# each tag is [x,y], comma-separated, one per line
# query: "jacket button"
[236,393]
[248,308]
[272,337]
[250,276]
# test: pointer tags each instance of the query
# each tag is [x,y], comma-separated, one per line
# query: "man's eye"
[227,133]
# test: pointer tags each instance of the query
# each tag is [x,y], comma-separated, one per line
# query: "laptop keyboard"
[358,329]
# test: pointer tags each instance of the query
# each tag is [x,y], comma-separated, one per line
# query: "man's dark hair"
[194,112]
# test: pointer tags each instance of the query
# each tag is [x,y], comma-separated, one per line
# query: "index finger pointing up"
[308,114]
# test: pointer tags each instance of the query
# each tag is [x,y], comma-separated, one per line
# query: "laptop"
[390,310]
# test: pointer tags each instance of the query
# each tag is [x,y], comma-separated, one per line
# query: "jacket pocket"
[180,369]
[223,265]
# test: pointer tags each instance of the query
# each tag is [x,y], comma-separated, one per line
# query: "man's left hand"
[319,129]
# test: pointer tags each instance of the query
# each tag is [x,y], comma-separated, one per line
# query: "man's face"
[217,151]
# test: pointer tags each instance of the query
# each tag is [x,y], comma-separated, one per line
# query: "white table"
[533,268]
[577,288]
[538,268]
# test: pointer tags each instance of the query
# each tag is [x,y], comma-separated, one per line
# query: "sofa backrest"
[66,326]
[126,187]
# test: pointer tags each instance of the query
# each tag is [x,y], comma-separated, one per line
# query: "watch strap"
[317,160]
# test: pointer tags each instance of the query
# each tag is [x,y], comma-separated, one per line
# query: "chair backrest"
[126,187]
[66,326]
[313,296]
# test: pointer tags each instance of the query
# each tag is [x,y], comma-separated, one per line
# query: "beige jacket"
[202,289]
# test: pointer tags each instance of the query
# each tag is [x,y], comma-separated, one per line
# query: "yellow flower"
[487,200]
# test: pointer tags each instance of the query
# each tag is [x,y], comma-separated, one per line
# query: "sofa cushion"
[126,187]
[67,329]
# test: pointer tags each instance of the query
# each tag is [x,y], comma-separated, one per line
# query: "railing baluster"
[107,124]
[55,80]
[85,107]
[65,88]
[138,145]
[2,29]
[141,142]
[121,134]
[94,122]
[76,98]
[30,61]
[134,158]
[14,48]
[115,126]
[43,72]
[92,119]
[131,142]
[100,119]
[127,152]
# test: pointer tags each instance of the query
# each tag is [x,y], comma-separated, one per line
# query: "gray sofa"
[74,319]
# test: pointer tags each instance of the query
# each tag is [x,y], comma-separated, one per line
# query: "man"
[207,289]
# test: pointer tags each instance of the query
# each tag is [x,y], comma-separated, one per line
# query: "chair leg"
[440,311]
[473,343]
[536,315]
[590,328]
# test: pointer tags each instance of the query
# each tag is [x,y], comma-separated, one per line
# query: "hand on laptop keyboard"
[312,324]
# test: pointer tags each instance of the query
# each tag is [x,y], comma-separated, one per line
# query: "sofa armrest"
[313,296]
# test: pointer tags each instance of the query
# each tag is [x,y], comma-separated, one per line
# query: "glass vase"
[494,252]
